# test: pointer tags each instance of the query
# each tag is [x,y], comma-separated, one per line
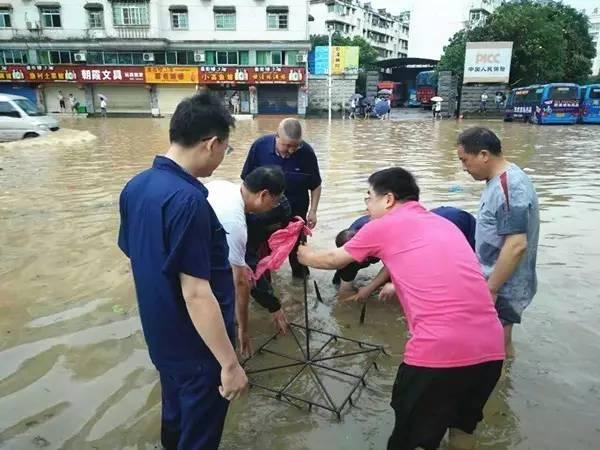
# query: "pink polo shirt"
[448,306]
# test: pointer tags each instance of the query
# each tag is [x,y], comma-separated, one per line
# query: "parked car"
[21,119]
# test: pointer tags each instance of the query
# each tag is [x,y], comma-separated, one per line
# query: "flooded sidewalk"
[74,369]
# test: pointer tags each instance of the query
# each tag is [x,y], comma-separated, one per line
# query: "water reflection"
[74,371]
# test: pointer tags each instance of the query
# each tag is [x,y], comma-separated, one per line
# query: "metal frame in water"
[309,361]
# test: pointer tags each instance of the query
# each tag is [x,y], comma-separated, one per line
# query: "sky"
[396,6]
[429,34]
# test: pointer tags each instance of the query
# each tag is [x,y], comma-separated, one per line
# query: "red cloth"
[281,244]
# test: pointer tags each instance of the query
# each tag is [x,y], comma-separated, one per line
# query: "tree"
[551,42]
[367,54]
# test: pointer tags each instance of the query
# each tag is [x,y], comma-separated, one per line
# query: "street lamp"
[329,80]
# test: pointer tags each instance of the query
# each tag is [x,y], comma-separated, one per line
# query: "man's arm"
[329,259]
[242,300]
[205,313]
[315,196]
[366,291]
[511,254]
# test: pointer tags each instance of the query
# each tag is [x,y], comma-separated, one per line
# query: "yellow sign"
[344,60]
[171,75]
[338,59]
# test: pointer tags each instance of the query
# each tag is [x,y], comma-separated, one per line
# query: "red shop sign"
[79,74]
[111,74]
[252,75]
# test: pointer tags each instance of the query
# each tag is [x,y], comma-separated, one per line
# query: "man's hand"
[311,219]
[387,292]
[360,296]
[304,252]
[244,345]
[280,322]
[234,382]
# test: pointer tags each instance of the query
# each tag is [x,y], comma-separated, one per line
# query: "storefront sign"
[79,74]
[252,75]
[110,74]
[344,60]
[487,62]
[12,74]
[171,75]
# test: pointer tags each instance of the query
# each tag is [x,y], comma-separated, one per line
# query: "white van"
[20,119]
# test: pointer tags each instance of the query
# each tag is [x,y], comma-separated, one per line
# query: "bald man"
[287,150]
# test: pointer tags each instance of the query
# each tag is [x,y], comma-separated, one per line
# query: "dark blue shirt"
[462,219]
[168,228]
[301,170]
[359,223]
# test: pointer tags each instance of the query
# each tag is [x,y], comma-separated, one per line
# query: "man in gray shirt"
[508,225]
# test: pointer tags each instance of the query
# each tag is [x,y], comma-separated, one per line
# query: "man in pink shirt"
[454,356]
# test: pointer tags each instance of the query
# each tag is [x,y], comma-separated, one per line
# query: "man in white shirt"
[260,192]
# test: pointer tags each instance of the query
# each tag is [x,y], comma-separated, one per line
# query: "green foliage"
[551,42]
[367,54]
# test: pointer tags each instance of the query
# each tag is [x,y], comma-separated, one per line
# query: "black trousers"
[428,401]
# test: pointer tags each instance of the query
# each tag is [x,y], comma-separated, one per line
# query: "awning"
[277,9]
[224,9]
[178,8]
[5,6]
[94,6]
[47,4]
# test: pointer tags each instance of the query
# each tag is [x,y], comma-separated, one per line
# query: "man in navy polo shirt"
[299,163]
[183,279]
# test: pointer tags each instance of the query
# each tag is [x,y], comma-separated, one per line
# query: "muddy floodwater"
[74,369]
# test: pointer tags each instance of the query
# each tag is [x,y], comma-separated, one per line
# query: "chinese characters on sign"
[252,75]
[154,74]
[81,74]
[344,60]
[103,74]
[171,75]
[487,62]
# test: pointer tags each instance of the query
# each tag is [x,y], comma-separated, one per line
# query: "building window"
[56,56]
[224,18]
[14,57]
[5,18]
[131,14]
[175,57]
[96,18]
[277,18]
[50,16]
[179,19]
[277,58]
[223,58]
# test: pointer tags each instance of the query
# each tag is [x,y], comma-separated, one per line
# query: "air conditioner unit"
[301,58]
[199,56]
[148,57]
[80,57]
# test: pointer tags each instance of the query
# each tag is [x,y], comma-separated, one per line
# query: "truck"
[395,88]
[426,87]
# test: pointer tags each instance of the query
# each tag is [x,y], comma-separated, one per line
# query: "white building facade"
[594,16]
[161,50]
[385,32]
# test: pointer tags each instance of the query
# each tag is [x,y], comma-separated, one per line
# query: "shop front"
[173,84]
[261,89]
[123,86]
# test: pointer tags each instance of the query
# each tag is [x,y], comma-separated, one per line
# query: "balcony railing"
[132,31]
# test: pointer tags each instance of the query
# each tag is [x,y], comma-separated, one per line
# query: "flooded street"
[74,369]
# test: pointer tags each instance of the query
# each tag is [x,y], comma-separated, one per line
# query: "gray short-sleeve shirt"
[509,205]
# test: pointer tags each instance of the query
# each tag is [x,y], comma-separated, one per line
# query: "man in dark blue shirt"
[183,280]
[462,219]
[299,163]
